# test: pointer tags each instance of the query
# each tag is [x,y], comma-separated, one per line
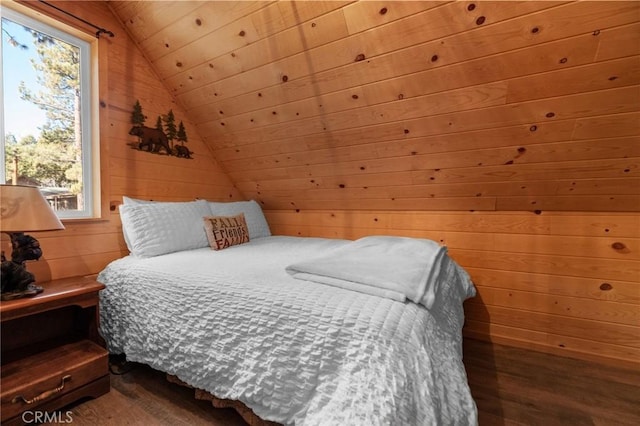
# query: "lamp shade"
[24,209]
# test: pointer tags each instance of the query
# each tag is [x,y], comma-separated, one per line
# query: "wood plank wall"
[484,106]
[506,130]
[85,247]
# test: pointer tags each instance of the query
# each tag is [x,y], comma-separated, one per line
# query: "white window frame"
[88,100]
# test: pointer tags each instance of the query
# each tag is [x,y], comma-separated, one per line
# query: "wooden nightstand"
[52,354]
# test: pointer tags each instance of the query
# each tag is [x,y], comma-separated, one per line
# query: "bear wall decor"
[151,139]
[164,139]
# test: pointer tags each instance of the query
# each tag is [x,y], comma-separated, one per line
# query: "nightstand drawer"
[36,380]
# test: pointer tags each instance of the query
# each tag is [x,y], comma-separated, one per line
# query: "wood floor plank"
[534,388]
[143,397]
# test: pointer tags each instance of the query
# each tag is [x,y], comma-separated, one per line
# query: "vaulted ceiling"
[404,105]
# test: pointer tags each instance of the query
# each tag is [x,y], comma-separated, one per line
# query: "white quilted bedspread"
[235,324]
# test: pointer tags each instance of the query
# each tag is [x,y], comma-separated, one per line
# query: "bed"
[238,324]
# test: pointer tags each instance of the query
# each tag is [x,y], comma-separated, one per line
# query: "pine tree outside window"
[47,126]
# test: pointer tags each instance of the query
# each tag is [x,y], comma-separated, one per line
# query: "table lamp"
[23,209]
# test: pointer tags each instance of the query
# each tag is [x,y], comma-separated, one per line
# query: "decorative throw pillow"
[226,231]
[256,222]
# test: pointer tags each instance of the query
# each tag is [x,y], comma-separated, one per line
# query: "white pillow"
[159,228]
[128,201]
[256,222]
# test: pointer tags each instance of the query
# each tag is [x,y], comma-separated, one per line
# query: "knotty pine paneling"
[85,247]
[507,130]
[420,58]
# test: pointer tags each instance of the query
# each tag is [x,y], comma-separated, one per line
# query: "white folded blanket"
[398,268]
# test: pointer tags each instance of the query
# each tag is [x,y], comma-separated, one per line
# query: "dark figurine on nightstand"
[16,281]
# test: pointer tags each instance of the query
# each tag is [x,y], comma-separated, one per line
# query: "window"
[47,124]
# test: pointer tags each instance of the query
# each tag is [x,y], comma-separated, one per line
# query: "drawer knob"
[43,395]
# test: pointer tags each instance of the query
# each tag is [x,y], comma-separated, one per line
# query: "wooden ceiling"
[408,105]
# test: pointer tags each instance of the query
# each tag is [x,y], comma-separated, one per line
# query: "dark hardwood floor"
[511,386]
